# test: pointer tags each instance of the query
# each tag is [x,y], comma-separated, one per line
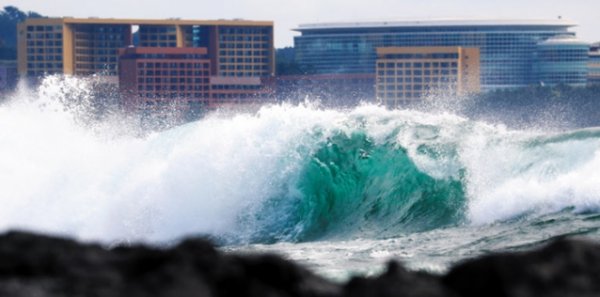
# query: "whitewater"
[339,190]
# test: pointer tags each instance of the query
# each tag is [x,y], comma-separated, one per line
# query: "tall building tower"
[562,59]
[405,74]
[70,46]
[239,55]
[169,79]
[594,64]
[90,46]
[506,46]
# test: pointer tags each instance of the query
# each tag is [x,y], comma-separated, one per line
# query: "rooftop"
[564,40]
[111,21]
[437,23]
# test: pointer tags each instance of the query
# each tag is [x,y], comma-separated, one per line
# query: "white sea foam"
[515,177]
[60,175]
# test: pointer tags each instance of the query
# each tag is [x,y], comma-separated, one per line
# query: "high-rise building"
[172,63]
[165,78]
[506,46]
[85,46]
[82,46]
[561,59]
[594,64]
[404,74]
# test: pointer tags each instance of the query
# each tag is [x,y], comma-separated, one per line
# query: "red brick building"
[165,79]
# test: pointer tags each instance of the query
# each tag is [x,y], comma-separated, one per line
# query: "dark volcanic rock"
[563,268]
[397,281]
[41,266]
[33,265]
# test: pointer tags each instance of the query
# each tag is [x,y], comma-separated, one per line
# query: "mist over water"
[290,173]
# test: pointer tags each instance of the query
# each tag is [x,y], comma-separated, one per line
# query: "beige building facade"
[81,46]
[407,74]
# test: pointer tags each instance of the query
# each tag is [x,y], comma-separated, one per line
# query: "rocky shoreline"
[43,266]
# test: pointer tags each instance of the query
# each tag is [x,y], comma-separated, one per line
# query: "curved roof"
[436,23]
[563,40]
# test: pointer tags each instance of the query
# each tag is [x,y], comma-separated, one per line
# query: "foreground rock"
[33,265]
[563,268]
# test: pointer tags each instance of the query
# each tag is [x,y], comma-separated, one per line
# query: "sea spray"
[285,173]
[537,175]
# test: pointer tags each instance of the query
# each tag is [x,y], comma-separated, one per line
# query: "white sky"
[288,14]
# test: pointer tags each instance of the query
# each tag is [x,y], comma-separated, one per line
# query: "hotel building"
[90,46]
[168,78]
[404,74]
[239,55]
[506,47]
[561,59]
[594,64]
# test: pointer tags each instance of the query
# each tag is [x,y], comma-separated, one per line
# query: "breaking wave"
[284,173]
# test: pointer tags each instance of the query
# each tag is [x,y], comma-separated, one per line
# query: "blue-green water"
[339,190]
[350,186]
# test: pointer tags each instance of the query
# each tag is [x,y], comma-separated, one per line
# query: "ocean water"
[341,191]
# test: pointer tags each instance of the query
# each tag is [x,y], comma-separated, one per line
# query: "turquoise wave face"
[354,183]
[351,187]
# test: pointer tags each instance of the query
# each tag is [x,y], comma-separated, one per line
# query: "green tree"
[10,16]
[286,63]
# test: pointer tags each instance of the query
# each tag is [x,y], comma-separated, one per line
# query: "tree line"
[10,16]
